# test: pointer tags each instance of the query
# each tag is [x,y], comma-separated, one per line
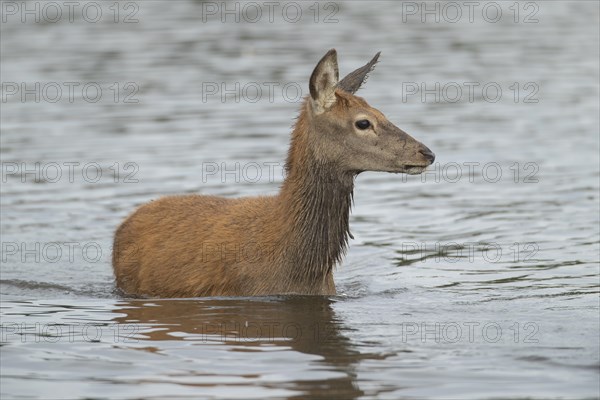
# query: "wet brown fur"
[189,246]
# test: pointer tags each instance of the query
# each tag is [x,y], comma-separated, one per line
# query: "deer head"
[350,134]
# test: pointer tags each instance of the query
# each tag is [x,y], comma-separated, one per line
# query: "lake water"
[477,280]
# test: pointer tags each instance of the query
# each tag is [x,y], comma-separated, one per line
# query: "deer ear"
[352,82]
[323,82]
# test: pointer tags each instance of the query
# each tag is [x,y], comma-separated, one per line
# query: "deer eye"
[363,124]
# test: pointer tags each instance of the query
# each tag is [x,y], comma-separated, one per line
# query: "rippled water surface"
[458,284]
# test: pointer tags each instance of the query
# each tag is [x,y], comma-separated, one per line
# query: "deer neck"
[315,202]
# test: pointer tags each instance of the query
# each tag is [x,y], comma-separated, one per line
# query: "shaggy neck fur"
[315,201]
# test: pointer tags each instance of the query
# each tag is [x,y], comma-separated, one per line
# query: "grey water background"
[459,284]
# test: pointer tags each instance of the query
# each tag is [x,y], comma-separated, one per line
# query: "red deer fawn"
[190,246]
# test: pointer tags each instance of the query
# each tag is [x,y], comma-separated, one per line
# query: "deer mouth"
[413,169]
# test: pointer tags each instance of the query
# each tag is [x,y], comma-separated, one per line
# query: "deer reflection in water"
[304,324]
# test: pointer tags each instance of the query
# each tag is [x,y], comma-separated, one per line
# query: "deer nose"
[428,154]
